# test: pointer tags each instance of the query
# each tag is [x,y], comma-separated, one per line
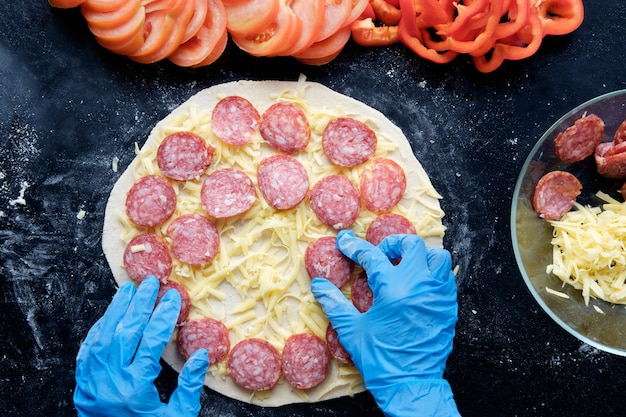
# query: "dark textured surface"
[68,107]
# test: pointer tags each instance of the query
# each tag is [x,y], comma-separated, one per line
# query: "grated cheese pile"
[257,284]
[589,250]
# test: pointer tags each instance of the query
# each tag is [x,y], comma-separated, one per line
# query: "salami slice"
[579,141]
[206,333]
[386,225]
[235,120]
[611,160]
[254,364]
[184,156]
[348,142]
[322,259]
[283,181]
[335,201]
[305,360]
[195,239]
[185,300]
[335,347]
[150,201]
[145,255]
[361,293]
[227,192]
[555,194]
[383,184]
[285,127]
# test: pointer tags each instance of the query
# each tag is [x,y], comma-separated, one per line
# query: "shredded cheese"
[257,283]
[589,250]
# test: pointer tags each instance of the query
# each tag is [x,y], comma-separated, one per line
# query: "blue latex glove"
[119,360]
[400,345]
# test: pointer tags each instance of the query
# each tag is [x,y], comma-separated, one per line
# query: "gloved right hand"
[119,360]
[401,344]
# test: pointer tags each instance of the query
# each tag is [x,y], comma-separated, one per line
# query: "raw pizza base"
[420,205]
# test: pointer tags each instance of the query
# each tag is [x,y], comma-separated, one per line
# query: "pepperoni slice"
[306,360]
[234,120]
[579,141]
[335,201]
[145,255]
[227,192]
[620,134]
[184,156]
[185,300]
[322,259]
[386,225]
[611,160]
[254,364]
[335,347]
[285,127]
[195,239]
[283,181]
[206,333]
[150,201]
[348,142]
[361,293]
[382,185]
[555,194]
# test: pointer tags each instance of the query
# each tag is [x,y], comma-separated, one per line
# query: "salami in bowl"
[586,312]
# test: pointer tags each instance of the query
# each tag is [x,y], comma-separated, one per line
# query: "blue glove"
[119,360]
[400,345]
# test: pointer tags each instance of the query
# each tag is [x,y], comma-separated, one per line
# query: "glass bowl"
[602,326]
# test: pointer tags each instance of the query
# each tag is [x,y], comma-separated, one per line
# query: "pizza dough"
[257,284]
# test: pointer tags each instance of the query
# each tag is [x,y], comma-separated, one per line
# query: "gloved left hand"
[119,360]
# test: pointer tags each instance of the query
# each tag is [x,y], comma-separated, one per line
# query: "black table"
[68,107]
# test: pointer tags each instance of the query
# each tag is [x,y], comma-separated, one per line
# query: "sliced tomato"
[220,46]
[211,36]
[247,17]
[65,4]
[311,14]
[279,36]
[109,20]
[200,12]
[323,52]
[103,6]
[358,8]
[335,16]
[123,39]
[366,33]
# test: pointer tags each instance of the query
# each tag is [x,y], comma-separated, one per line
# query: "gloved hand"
[400,345]
[119,359]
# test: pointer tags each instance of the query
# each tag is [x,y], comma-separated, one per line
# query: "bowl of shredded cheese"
[575,267]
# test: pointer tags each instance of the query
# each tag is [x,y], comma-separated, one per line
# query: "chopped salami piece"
[335,347]
[348,142]
[195,239]
[184,156]
[285,127]
[227,192]
[146,255]
[150,201]
[335,201]
[283,181]
[306,360]
[611,160]
[185,300]
[579,141]
[361,293]
[235,120]
[382,185]
[555,194]
[206,333]
[322,259]
[254,364]
[386,225]
[620,134]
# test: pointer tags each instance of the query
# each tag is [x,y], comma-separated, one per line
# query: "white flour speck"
[20,199]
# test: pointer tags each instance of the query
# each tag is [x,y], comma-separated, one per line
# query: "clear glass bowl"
[531,235]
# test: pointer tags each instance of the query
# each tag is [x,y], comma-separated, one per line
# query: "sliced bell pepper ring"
[517,15]
[416,44]
[386,13]
[366,33]
[559,17]
[463,13]
[418,14]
